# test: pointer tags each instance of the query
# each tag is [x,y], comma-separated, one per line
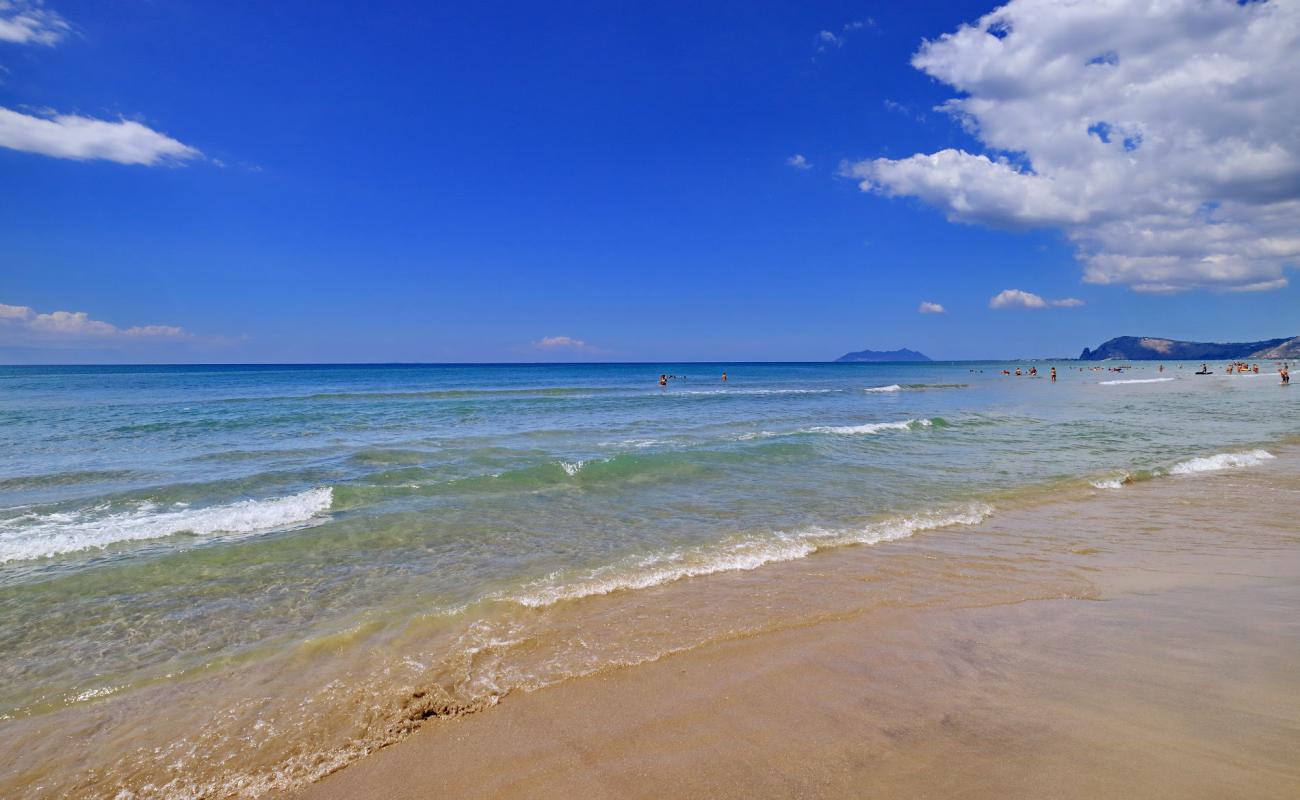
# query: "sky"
[494,181]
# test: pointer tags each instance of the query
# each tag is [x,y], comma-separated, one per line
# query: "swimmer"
[663,380]
[724,377]
[1053,374]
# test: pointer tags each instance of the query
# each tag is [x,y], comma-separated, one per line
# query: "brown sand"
[1181,679]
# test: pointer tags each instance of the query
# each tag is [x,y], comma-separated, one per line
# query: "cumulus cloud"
[23,323]
[563,343]
[83,138]
[1015,298]
[927,307]
[29,22]
[1161,136]
[798,162]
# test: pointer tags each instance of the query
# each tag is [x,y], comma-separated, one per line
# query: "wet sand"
[1149,648]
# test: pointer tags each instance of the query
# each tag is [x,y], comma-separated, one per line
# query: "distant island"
[883,355]
[1142,348]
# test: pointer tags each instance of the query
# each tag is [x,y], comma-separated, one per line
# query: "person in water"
[724,377]
[663,380]
[1053,374]
[1286,376]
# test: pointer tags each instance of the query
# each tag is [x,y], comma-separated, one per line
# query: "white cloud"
[82,138]
[827,39]
[563,343]
[23,323]
[1015,298]
[1161,136]
[798,162]
[927,307]
[29,22]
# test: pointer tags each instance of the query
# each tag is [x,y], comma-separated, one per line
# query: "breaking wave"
[33,536]
[740,553]
[873,427]
[1221,461]
[1134,380]
[913,387]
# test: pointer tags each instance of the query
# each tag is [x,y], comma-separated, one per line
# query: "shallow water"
[195,534]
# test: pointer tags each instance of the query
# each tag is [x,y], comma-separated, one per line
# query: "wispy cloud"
[30,22]
[798,161]
[927,307]
[564,343]
[827,40]
[1016,298]
[83,138]
[29,325]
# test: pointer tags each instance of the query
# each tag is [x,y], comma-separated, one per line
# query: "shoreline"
[1164,531]
[1170,673]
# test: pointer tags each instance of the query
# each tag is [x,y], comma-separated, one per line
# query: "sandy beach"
[1147,647]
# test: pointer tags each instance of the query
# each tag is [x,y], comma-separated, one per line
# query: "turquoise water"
[155,521]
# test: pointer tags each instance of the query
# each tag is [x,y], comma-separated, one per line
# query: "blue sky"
[502,181]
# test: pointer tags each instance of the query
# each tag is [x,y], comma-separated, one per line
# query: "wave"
[873,427]
[751,392]
[739,554]
[913,387]
[33,536]
[28,482]
[1111,483]
[1134,380]
[1221,461]
[572,468]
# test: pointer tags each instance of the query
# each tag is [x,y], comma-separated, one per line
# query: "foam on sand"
[740,553]
[34,536]
[1111,483]
[1135,380]
[1221,461]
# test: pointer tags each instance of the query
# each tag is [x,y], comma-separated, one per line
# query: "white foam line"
[893,387]
[1110,483]
[1135,380]
[39,536]
[742,554]
[872,427]
[1221,461]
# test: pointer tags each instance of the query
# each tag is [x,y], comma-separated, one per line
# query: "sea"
[227,581]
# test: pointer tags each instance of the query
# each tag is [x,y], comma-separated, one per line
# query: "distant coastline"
[1143,348]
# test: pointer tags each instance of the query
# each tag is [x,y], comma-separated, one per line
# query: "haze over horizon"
[506,183]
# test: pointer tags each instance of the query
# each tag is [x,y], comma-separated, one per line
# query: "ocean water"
[423,531]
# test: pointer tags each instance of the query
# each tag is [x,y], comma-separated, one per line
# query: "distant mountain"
[884,355]
[1141,348]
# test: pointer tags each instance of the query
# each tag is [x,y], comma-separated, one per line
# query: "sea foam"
[39,536]
[1221,461]
[739,554]
[893,387]
[872,427]
[1110,483]
[1134,380]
